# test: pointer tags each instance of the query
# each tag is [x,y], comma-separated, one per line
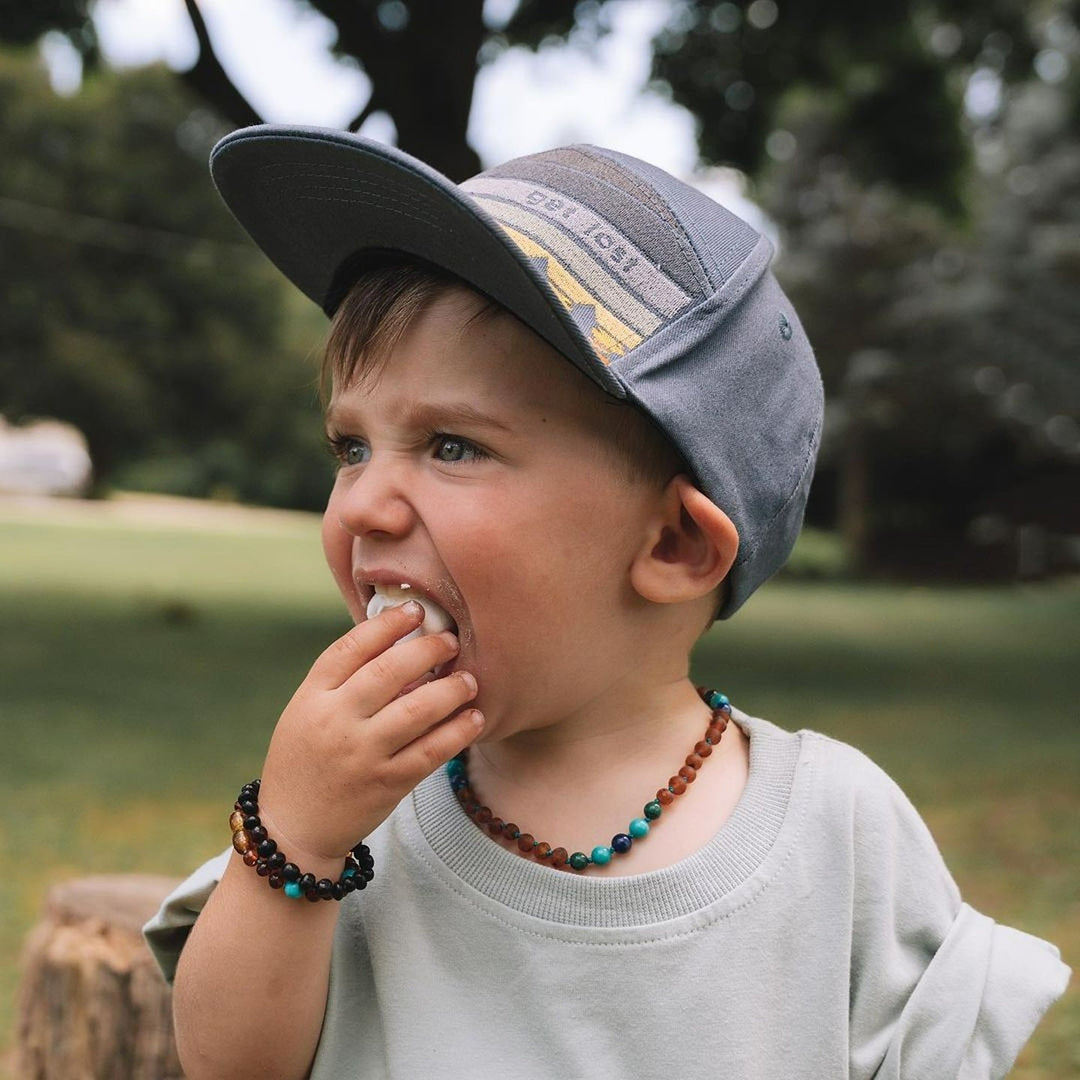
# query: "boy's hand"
[348,748]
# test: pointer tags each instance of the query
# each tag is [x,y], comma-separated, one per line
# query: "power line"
[103,232]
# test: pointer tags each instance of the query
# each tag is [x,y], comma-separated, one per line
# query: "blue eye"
[355,452]
[450,448]
[349,451]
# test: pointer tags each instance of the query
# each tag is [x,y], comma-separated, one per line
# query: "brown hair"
[383,302]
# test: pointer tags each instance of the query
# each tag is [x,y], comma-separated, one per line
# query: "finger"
[436,747]
[412,714]
[363,642]
[384,677]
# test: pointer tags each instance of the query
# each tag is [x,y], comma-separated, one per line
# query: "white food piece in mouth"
[388,596]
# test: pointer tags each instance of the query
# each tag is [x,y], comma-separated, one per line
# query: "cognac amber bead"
[526,842]
[250,858]
[495,826]
[483,815]
[241,842]
[664,797]
[714,733]
[688,774]
[703,749]
[677,785]
[559,857]
[511,831]
[236,821]
[695,761]
[542,850]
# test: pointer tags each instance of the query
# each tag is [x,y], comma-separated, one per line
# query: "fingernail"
[413,608]
[451,639]
[468,679]
[478,719]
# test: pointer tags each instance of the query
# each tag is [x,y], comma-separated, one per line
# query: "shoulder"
[849,804]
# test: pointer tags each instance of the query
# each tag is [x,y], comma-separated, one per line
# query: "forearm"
[250,989]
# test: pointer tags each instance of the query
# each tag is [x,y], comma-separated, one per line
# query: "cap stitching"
[652,200]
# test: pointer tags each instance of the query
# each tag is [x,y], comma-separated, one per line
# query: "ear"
[689,547]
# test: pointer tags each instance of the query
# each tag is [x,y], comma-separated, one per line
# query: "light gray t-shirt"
[818,935]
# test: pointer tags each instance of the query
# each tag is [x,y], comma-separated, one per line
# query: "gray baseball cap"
[656,292]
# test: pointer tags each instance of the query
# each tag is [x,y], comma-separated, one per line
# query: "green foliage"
[134,307]
[892,89]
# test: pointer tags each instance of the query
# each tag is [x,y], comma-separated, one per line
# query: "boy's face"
[471,468]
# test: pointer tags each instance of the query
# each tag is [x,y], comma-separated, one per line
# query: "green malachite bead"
[653,810]
[579,860]
[638,828]
[601,855]
[455,767]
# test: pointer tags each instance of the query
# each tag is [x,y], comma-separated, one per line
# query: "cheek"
[337,550]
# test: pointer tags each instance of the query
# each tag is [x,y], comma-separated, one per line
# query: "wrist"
[323,878]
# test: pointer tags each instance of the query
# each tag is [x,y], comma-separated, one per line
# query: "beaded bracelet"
[250,839]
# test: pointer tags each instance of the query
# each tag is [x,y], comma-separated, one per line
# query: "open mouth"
[436,618]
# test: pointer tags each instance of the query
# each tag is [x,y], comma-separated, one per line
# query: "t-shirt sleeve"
[937,989]
[168,930]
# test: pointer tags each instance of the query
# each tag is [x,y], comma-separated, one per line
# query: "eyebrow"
[432,416]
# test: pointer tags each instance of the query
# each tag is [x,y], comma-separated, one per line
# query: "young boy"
[575,420]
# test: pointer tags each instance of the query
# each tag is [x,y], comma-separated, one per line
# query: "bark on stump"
[92,1004]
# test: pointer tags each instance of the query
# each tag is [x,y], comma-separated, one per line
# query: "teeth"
[388,596]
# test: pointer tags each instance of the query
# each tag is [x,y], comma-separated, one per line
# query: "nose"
[373,501]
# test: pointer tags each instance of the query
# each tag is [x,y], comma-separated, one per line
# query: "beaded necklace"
[458,771]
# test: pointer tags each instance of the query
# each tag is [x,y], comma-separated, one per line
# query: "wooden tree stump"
[92,1004]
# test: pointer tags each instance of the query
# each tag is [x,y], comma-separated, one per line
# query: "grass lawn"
[143,662]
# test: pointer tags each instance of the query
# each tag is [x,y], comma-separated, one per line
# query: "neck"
[576,782]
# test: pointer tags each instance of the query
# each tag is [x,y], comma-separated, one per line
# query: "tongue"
[435,618]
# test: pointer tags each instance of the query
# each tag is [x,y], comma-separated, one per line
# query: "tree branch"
[209,79]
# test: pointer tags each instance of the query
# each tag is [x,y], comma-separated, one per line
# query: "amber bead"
[664,797]
[511,831]
[542,850]
[495,826]
[236,821]
[559,856]
[250,858]
[703,749]
[677,785]
[695,761]
[241,842]
[714,734]
[526,842]
[262,868]
[483,815]
[258,834]
[688,773]
[275,880]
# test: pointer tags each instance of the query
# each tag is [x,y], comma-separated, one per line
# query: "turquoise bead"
[455,767]
[718,700]
[601,855]
[639,827]
[292,888]
[349,871]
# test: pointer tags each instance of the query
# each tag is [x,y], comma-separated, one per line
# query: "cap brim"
[323,203]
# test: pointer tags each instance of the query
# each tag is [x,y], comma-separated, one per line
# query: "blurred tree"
[894,70]
[132,307]
[953,361]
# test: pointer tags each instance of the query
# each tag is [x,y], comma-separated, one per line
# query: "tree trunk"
[92,1004]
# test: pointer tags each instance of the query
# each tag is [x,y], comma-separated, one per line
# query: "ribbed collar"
[730,858]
